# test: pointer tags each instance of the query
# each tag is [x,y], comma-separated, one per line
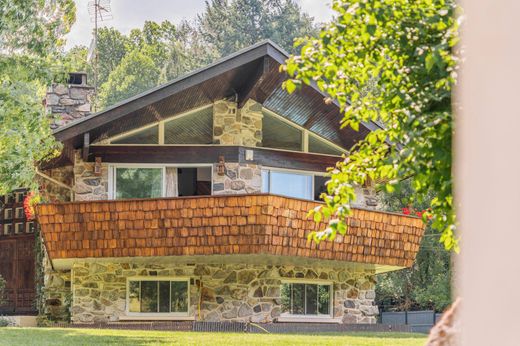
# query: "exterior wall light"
[221,166]
[97,166]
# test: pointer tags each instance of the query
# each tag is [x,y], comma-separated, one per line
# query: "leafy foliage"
[227,26]
[427,284]
[30,36]
[128,77]
[173,50]
[390,62]
[2,290]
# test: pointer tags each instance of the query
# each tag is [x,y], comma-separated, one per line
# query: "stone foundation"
[57,293]
[234,292]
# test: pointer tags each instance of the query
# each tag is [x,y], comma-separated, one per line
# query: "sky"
[129,14]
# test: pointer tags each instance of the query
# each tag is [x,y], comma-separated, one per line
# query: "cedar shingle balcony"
[258,224]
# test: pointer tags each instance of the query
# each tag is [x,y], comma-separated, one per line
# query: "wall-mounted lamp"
[97,166]
[221,166]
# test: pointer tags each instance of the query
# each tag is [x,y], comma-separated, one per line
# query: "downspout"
[57,182]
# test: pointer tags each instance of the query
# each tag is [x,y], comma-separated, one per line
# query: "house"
[190,202]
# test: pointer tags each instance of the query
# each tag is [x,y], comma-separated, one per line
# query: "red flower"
[406,211]
[28,205]
[419,213]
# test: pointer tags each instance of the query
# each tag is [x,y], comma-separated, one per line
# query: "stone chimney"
[69,102]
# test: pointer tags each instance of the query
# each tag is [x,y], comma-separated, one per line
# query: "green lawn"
[69,337]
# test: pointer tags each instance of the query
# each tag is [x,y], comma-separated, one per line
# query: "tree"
[128,78]
[227,26]
[392,63]
[112,46]
[2,290]
[30,36]
[427,284]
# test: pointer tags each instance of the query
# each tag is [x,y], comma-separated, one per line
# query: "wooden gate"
[17,267]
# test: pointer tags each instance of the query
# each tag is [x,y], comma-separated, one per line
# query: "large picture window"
[138,182]
[294,184]
[297,185]
[306,299]
[158,296]
[159,181]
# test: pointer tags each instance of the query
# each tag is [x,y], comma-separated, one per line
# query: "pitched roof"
[252,72]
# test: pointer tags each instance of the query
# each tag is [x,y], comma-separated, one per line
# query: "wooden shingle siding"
[222,225]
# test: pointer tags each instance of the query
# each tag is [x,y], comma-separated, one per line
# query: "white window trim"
[113,166]
[288,317]
[155,315]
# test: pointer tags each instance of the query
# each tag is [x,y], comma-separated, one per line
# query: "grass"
[69,337]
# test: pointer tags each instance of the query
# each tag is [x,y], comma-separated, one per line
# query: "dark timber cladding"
[250,73]
[209,154]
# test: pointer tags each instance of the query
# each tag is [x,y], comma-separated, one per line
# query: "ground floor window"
[158,296]
[306,299]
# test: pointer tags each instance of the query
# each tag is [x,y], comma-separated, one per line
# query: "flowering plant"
[30,200]
[424,214]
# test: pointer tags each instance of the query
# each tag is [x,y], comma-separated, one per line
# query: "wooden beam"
[86,145]
[209,154]
[154,95]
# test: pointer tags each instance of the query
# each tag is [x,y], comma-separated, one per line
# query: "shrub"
[2,290]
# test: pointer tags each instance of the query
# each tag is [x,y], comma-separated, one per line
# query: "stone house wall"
[233,292]
[234,126]
[238,178]
[87,185]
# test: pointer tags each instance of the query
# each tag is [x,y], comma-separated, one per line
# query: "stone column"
[233,126]
[68,102]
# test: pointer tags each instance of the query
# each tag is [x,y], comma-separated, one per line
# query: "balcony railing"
[222,225]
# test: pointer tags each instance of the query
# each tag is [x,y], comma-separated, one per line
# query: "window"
[147,136]
[19,197]
[194,128]
[8,214]
[9,199]
[8,228]
[294,184]
[138,182]
[18,228]
[279,134]
[320,186]
[158,296]
[289,184]
[160,181]
[306,299]
[29,227]
[317,145]
[20,214]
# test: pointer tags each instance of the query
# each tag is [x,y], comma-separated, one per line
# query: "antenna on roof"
[99,11]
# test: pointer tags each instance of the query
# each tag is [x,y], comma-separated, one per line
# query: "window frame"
[316,282]
[112,180]
[305,134]
[156,278]
[293,171]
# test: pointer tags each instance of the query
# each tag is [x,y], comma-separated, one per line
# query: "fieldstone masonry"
[87,185]
[233,292]
[238,179]
[233,126]
[68,103]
